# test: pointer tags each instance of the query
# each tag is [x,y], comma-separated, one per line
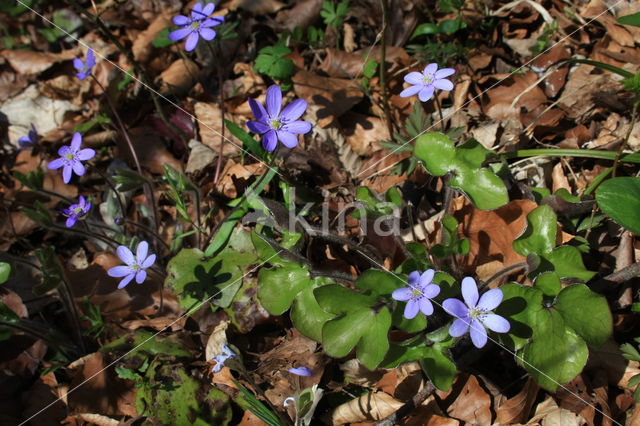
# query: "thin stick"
[626,139]
[383,66]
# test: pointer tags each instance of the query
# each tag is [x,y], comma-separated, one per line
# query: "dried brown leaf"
[371,406]
[30,62]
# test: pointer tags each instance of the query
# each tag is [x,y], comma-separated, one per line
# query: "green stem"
[580,153]
[626,139]
[383,67]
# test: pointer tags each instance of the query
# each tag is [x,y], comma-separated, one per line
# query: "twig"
[626,139]
[408,407]
[619,277]
[383,68]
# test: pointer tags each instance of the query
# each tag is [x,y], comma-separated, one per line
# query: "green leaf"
[437,152]
[247,141]
[379,282]
[414,325]
[585,312]
[548,283]
[556,355]
[425,29]
[521,306]
[633,19]
[540,234]
[51,269]
[439,368]
[450,26]
[567,262]
[482,187]
[271,61]
[306,314]
[357,325]
[5,270]
[280,284]
[162,39]
[619,198]
[606,67]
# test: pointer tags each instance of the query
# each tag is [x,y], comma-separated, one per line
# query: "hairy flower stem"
[383,66]
[148,187]
[442,124]
[626,139]
[220,72]
[579,153]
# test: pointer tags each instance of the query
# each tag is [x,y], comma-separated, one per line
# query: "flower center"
[275,124]
[135,267]
[78,210]
[477,313]
[195,25]
[69,156]
[428,80]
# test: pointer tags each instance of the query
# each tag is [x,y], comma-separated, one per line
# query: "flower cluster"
[474,314]
[196,26]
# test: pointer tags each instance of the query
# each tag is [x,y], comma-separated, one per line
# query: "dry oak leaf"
[328,98]
[516,409]
[363,132]
[501,98]
[142,47]
[210,124]
[30,63]
[257,7]
[371,406]
[179,77]
[548,413]
[472,404]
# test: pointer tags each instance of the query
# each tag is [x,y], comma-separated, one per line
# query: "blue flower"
[425,83]
[197,26]
[476,314]
[76,211]
[135,265]
[300,371]
[418,293]
[30,140]
[71,157]
[84,68]
[222,357]
[276,123]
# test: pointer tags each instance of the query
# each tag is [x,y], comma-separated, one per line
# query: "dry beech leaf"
[29,62]
[200,156]
[341,64]
[516,409]
[363,133]
[501,97]
[368,407]
[179,77]
[359,375]
[472,404]
[548,413]
[44,391]
[152,153]
[96,419]
[142,47]
[216,340]
[234,172]
[302,15]
[257,7]
[210,124]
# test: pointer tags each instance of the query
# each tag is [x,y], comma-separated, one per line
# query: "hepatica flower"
[475,314]
[277,124]
[424,83]
[71,158]
[418,293]
[84,68]
[134,265]
[30,140]
[199,25]
[300,371]
[76,211]
[222,357]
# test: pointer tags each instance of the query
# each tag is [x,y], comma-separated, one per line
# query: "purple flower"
[30,140]
[425,83]
[197,26]
[276,123]
[76,211]
[84,68]
[221,358]
[71,157]
[135,265]
[418,293]
[300,371]
[475,314]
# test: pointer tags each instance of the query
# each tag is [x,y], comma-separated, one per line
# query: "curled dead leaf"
[371,406]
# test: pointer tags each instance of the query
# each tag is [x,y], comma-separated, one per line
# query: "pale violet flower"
[222,357]
[71,158]
[84,68]
[134,265]
[196,26]
[300,371]
[30,140]
[278,124]
[76,211]
[418,293]
[424,83]
[476,314]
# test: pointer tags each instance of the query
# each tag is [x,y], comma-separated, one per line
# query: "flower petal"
[491,299]
[478,334]
[288,139]
[444,72]
[71,221]
[411,309]
[258,111]
[85,154]
[426,93]
[83,75]
[56,164]
[431,291]
[430,70]
[78,168]
[496,323]
[455,308]
[181,20]
[209,34]
[91,59]
[126,281]
[427,277]
[426,307]
[414,78]
[126,255]
[257,127]
[300,371]
[413,278]
[270,141]
[297,127]
[119,271]
[470,292]
[141,276]
[76,141]
[410,91]
[274,100]
[459,327]
[192,41]
[196,11]
[180,34]
[142,251]
[294,110]
[66,173]
[402,294]
[208,9]
[148,261]
[78,64]
[212,22]
[443,84]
